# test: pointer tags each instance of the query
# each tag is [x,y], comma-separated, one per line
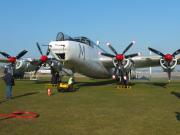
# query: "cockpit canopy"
[63,37]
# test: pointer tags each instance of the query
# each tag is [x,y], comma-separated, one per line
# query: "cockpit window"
[84,40]
[62,37]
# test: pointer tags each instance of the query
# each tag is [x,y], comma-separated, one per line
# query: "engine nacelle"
[57,66]
[20,65]
[168,66]
[126,64]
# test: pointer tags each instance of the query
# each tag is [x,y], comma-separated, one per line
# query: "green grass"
[97,108]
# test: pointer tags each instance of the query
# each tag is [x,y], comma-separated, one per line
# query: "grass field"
[97,108]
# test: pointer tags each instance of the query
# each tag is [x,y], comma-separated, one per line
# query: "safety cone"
[49,92]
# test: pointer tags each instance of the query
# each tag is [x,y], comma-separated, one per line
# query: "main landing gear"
[123,80]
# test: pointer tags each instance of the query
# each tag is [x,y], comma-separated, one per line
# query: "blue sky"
[154,23]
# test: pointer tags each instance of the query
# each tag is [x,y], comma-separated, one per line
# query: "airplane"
[82,55]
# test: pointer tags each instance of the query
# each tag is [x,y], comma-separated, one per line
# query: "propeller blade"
[5,54]
[156,51]
[22,53]
[52,70]
[131,55]
[176,53]
[112,49]
[39,48]
[169,76]
[128,47]
[38,67]
[115,70]
[48,51]
[108,55]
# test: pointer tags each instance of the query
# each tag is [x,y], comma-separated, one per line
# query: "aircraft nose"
[59,49]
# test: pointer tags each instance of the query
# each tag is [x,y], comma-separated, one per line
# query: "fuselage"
[80,55]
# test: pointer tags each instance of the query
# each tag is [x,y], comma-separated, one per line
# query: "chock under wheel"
[123,87]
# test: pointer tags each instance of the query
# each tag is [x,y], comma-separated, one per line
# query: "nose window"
[61,55]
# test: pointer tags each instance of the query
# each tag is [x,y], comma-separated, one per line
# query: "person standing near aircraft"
[9,80]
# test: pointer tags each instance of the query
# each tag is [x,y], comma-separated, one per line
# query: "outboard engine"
[168,61]
[20,69]
[13,59]
[20,65]
[168,66]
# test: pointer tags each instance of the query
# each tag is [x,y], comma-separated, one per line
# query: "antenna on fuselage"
[150,68]
[97,42]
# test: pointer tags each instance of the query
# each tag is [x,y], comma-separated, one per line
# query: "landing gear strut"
[123,79]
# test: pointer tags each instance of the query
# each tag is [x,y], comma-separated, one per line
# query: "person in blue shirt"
[9,81]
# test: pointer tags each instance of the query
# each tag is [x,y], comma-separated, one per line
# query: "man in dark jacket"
[9,80]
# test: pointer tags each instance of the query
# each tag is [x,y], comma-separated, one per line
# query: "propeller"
[176,53]
[168,58]
[156,51]
[43,60]
[12,59]
[120,57]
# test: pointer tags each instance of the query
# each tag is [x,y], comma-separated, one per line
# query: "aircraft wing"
[107,62]
[146,61]
[149,61]
[139,61]
[34,61]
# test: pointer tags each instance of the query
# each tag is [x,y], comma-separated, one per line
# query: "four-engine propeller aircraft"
[82,55]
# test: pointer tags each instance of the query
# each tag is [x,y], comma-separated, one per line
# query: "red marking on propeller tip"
[12,59]
[120,57]
[168,57]
[44,58]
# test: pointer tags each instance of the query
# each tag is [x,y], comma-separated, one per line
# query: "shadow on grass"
[176,94]
[19,96]
[5,100]
[26,94]
[177,115]
[99,83]
[42,82]
[159,84]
